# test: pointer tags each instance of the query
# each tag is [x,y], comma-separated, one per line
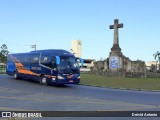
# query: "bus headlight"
[53,79]
[78,77]
[60,77]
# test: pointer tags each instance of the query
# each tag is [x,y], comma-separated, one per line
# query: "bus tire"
[15,75]
[43,80]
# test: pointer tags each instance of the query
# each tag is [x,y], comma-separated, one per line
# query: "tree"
[3,53]
[157,57]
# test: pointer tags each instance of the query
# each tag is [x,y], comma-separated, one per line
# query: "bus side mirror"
[80,62]
[57,60]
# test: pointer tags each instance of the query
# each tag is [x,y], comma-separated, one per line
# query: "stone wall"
[130,68]
[133,66]
[100,67]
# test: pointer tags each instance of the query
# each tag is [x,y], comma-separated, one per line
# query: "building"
[150,65]
[76,48]
[88,63]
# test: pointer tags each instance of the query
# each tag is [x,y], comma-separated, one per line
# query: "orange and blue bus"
[46,66]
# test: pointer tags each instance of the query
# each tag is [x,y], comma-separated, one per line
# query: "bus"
[52,66]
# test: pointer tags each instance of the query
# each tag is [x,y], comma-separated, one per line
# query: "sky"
[53,24]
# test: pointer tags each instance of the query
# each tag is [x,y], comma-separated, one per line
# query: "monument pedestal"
[115,60]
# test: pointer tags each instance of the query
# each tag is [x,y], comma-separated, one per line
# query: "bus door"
[45,63]
[49,64]
[54,62]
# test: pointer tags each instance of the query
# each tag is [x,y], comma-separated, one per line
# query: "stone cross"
[116,38]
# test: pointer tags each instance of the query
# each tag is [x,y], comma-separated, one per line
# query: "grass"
[119,82]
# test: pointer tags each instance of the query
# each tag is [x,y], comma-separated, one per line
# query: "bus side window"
[17,57]
[22,59]
[46,60]
[26,58]
[34,58]
[9,59]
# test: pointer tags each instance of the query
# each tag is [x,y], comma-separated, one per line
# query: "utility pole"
[33,46]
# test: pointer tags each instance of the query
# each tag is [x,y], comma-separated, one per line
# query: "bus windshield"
[68,65]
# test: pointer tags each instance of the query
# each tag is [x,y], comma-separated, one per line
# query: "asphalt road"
[28,95]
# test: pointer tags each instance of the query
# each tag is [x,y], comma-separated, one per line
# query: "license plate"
[71,81]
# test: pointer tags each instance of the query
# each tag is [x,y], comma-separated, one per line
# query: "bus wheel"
[43,80]
[15,75]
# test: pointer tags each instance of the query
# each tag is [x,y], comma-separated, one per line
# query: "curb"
[123,88]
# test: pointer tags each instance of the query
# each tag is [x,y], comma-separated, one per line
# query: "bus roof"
[53,52]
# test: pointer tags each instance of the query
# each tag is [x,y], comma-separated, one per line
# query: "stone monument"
[117,64]
[115,57]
